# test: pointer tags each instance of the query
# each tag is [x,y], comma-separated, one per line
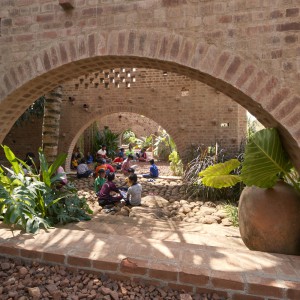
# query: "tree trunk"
[51,122]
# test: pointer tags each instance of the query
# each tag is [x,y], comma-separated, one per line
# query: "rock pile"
[34,281]
[162,199]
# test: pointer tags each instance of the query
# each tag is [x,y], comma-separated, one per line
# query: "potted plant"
[269,205]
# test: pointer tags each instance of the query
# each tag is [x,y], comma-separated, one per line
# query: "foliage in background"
[29,197]
[164,145]
[108,138]
[127,136]
[36,109]
[176,164]
[232,213]
[196,188]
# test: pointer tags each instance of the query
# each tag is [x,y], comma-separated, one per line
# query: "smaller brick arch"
[72,140]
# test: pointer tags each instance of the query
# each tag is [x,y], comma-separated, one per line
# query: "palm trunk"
[51,122]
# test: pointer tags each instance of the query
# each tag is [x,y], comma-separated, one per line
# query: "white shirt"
[101,152]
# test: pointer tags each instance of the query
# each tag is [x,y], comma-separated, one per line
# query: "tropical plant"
[29,198]
[163,145]
[195,186]
[176,164]
[265,162]
[232,213]
[127,136]
[36,109]
[109,139]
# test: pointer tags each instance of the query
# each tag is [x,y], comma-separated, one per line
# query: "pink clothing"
[125,165]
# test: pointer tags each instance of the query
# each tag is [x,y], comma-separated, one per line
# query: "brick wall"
[249,50]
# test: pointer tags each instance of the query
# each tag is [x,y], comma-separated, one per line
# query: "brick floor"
[193,257]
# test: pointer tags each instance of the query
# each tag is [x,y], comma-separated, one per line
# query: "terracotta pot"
[269,219]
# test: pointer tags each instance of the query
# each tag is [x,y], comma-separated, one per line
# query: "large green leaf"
[265,159]
[218,175]
[58,162]
[44,168]
[10,156]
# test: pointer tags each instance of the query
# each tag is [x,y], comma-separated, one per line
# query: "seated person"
[83,170]
[105,196]
[74,162]
[142,156]
[129,151]
[121,153]
[100,165]
[126,164]
[63,177]
[89,158]
[124,185]
[153,170]
[134,193]
[118,159]
[99,181]
[102,153]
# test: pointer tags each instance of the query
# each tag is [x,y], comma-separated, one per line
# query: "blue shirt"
[154,171]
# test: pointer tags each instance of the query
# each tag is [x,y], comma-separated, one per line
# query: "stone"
[220,213]
[226,222]
[124,211]
[5,266]
[205,211]
[208,220]
[148,212]
[154,201]
[23,271]
[185,297]
[34,292]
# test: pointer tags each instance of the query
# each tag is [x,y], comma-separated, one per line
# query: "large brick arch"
[259,91]
[71,140]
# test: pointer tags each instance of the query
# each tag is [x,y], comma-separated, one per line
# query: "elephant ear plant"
[265,162]
[30,199]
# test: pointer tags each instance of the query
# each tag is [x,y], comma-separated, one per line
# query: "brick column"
[51,122]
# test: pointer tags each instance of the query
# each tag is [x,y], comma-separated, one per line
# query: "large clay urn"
[269,219]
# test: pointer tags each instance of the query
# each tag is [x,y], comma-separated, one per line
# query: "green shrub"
[30,199]
[176,164]
[232,213]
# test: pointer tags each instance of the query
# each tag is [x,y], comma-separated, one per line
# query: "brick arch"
[72,140]
[262,93]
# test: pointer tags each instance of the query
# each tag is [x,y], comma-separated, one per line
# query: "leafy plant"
[195,186]
[30,199]
[109,139]
[163,145]
[36,109]
[176,164]
[265,161]
[232,213]
[127,136]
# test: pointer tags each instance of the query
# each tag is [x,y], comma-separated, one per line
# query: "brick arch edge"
[267,97]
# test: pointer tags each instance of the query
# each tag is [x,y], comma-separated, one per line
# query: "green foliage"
[265,161]
[176,164]
[163,145]
[232,213]
[195,186]
[218,176]
[127,136]
[36,109]
[109,139]
[30,199]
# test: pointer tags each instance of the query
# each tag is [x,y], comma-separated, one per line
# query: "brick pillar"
[51,122]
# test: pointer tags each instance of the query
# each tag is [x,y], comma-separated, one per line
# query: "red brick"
[66,4]
[292,12]
[293,290]
[163,47]
[163,271]
[223,280]
[276,14]
[54,257]
[245,75]
[24,38]
[79,261]
[175,48]
[131,40]
[32,254]
[193,275]
[134,266]
[264,287]
[63,53]
[91,45]
[233,67]
[45,18]
[121,42]
[47,63]
[277,99]
[223,58]
[9,250]
[295,26]
[203,290]
[225,19]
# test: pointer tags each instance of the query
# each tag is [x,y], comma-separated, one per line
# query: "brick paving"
[194,257]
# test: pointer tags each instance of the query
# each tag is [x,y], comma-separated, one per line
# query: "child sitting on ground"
[109,188]
[134,193]
[99,181]
[153,170]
